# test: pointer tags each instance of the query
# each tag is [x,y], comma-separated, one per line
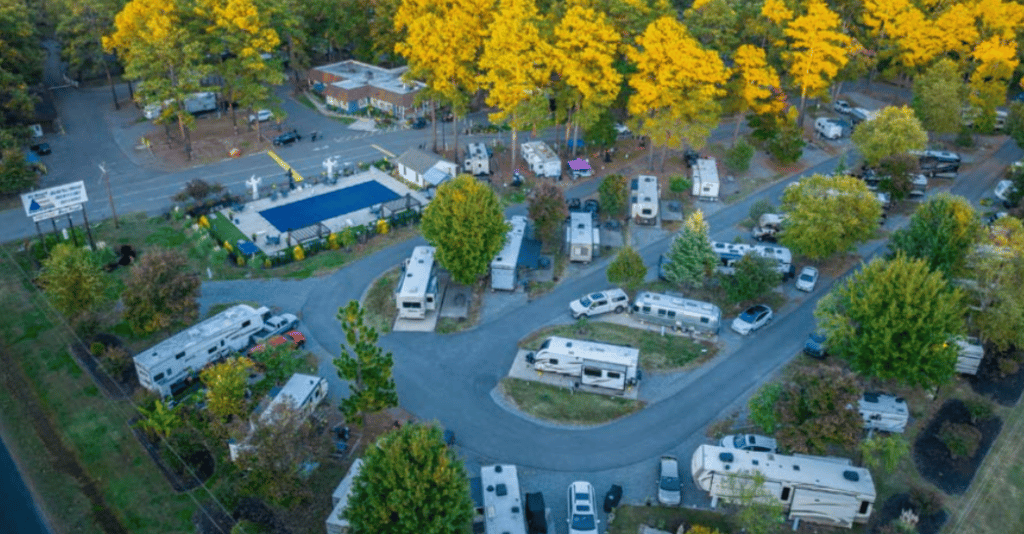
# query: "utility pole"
[110,196]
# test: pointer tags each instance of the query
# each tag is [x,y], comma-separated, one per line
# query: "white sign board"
[54,201]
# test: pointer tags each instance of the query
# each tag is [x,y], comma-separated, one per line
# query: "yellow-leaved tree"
[757,87]
[678,85]
[996,59]
[516,63]
[585,49]
[448,66]
[226,382]
[816,49]
[158,45]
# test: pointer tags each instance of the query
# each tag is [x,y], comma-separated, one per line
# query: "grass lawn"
[226,229]
[380,301]
[628,519]
[562,405]
[657,352]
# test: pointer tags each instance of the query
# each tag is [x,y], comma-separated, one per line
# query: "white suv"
[582,512]
[808,279]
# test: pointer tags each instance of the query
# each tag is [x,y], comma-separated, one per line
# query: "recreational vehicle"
[817,490]
[503,503]
[644,200]
[542,160]
[417,293]
[677,312]
[478,160]
[595,364]
[705,179]
[883,412]
[583,238]
[336,522]
[504,265]
[970,355]
[730,253]
[165,367]
[301,392]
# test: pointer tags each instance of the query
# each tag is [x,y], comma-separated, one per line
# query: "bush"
[298,253]
[1007,367]
[116,360]
[961,439]
[679,184]
[737,158]
[980,410]
[759,208]
[762,407]
[964,139]
[928,502]
[97,348]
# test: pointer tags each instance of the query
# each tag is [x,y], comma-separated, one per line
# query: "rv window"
[864,507]
[647,309]
[661,313]
[704,319]
[179,355]
[645,212]
[430,299]
[671,313]
[590,371]
[158,377]
[410,304]
[785,494]
[222,342]
[553,361]
[614,375]
[247,323]
[212,349]
[546,344]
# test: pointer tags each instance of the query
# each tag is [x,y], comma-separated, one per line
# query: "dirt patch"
[63,459]
[890,511]
[213,139]
[1006,390]
[933,459]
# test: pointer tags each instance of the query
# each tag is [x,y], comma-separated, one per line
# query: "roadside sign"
[54,201]
[284,165]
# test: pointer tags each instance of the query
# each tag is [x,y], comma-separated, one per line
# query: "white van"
[828,128]
[609,300]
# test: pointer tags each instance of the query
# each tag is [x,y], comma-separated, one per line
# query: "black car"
[815,346]
[536,513]
[574,204]
[419,124]
[592,205]
[287,138]
[42,148]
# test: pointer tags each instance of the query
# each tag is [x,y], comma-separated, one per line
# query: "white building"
[503,503]
[425,169]
[417,292]
[506,263]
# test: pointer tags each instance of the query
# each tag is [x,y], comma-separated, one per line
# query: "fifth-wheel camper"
[813,489]
[595,364]
[705,179]
[644,200]
[167,365]
[677,312]
[503,502]
[504,265]
[478,160]
[417,294]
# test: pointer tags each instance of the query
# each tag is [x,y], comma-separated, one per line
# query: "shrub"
[267,263]
[738,157]
[762,407]
[884,452]
[97,348]
[298,253]
[1007,367]
[961,439]
[980,409]
[759,208]
[116,360]
[926,501]
[204,222]
[333,241]
[679,184]
[240,260]
[964,139]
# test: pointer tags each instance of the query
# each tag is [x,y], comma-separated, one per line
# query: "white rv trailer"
[336,522]
[582,236]
[302,392]
[971,352]
[417,293]
[817,490]
[596,364]
[542,160]
[168,364]
[730,253]
[504,265]
[644,200]
[478,160]
[677,312]
[504,510]
[883,412]
[705,179]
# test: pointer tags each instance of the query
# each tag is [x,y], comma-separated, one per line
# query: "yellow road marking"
[284,165]
[384,150]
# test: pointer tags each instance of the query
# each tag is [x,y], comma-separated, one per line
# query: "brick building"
[352,86]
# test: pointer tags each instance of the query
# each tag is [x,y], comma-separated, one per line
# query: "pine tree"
[690,256]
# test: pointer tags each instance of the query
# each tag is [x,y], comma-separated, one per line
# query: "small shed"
[415,166]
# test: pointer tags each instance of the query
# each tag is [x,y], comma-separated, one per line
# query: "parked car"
[592,205]
[622,129]
[749,442]
[842,106]
[668,482]
[287,138]
[808,279]
[1004,189]
[574,204]
[752,319]
[828,128]
[297,340]
[262,115]
[663,262]
[936,155]
[582,512]
[815,345]
[419,124]
[41,149]
[605,301]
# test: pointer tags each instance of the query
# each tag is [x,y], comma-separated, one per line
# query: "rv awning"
[824,507]
[529,254]
[728,486]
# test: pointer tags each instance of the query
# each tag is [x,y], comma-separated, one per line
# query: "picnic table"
[247,248]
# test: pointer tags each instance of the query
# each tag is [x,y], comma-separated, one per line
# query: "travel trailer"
[704,174]
[302,392]
[883,412]
[195,103]
[478,160]
[505,264]
[828,128]
[582,237]
[336,522]
[644,200]
[595,364]
[167,366]
[970,355]
[542,160]
[813,489]
[417,294]
[768,227]
[677,312]
[503,503]
[730,253]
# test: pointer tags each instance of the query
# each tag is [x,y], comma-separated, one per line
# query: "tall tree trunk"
[568,125]
[575,132]
[736,132]
[110,80]
[803,102]
[184,135]
[131,92]
[664,152]
[433,121]
[515,132]
[650,153]
[455,126]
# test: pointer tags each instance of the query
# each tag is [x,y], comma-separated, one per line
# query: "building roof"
[226,321]
[508,257]
[436,176]
[351,75]
[296,391]
[418,160]
[581,228]
[503,505]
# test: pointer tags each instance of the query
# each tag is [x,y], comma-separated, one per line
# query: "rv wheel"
[620,309]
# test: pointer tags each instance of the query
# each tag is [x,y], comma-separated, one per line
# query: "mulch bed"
[1004,390]
[892,508]
[256,511]
[933,459]
[210,518]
